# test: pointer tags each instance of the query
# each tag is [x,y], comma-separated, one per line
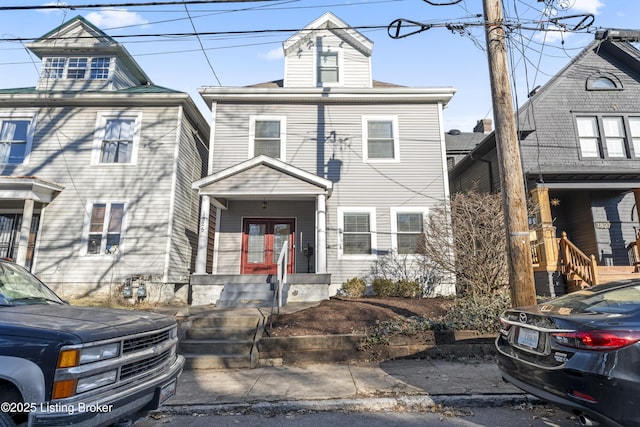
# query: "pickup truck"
[70,365]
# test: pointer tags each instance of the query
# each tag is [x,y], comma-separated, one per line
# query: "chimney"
[483,126]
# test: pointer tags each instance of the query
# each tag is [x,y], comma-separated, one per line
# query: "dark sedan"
[580,351]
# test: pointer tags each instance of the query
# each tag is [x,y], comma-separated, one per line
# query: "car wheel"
[6,420]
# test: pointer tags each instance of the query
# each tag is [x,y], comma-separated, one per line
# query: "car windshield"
[617,300]
[19,287]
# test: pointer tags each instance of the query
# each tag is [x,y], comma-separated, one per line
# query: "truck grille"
[142,342]
[142,366]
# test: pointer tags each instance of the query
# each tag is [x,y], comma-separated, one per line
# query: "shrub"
[354,287]
[407,289]
[383,287]
[479,312]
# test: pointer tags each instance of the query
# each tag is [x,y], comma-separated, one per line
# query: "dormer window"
[76,68]
[328,71]
[603,82]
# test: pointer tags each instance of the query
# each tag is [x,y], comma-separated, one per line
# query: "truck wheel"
[6,420]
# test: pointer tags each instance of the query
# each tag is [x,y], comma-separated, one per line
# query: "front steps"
[222,338]
[246,295]
[606,274]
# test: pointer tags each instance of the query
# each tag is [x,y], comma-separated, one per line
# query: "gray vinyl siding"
[417,180]
[299,66]
[62,153]
[229,238]
[184,228]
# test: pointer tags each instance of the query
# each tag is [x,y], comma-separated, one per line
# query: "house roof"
[263,177]
[280,83]
[462,142]
[330,22]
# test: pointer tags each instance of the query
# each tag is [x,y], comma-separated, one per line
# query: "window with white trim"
[76,68]
[106,228]
[16,135]
[267,136]
[407,229]
[117,137]
[611,137]
[380,141]
[357,227]
[328,69]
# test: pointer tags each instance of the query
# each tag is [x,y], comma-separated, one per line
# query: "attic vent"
[454,132]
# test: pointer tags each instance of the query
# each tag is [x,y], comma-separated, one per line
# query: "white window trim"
[316,59]
[84,241]
[101,121]
[394,224]
[365,139]
[283,134]
[372,224]
[23,115]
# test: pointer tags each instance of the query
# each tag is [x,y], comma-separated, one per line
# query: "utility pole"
[514,199]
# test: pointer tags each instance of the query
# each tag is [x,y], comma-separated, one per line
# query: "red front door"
[262,241]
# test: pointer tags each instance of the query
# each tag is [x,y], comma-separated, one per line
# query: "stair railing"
[575,261]
[281,279]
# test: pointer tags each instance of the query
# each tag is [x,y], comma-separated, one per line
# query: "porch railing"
[281,279]
[574,261]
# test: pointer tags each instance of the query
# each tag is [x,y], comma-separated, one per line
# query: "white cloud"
[115,18]
[587,6]
[570,7]
[273,54]
[51,3]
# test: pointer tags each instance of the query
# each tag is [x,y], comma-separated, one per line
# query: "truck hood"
[85,323]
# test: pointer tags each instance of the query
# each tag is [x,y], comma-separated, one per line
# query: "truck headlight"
[79,356]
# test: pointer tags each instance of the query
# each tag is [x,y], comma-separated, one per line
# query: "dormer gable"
[326,53]
[78,56]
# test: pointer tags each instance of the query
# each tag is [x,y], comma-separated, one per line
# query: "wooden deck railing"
[574,261]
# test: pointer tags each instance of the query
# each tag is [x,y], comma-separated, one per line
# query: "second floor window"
[14,140]
[105,228]
[116,138]
[380,141]
[267,136]
[613,137]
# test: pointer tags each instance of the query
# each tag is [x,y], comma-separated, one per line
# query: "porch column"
[321,234]
[546,236]
[636,195]
[203,236]
[636,251]
[25,231]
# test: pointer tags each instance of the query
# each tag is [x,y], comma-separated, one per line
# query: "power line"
[128,4]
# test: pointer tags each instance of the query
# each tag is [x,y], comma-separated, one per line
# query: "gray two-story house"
[332,165]
[96,170]
[580,148]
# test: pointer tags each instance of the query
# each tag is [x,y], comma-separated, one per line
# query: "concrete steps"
[224,338]
[246,295]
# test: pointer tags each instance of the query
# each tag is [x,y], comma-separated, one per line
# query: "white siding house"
[326,158]
[96,170]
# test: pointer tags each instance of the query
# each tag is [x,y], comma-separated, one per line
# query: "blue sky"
[441,56]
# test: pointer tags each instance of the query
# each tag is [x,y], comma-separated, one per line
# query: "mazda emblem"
[523,317]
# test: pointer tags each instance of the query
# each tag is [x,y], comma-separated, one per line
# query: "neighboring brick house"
[97,166]
[342,166]
[580,148]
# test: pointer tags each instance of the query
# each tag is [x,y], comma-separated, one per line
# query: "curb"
[408,403]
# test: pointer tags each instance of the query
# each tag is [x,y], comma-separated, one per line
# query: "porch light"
[264,204]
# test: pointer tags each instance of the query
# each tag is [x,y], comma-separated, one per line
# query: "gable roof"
[330,22]
[79,36]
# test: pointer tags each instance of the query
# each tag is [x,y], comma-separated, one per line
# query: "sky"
[240,43]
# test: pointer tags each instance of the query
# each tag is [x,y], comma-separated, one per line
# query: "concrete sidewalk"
[408,384]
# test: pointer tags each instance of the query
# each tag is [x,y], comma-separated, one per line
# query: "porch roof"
[28,188]
[263,177]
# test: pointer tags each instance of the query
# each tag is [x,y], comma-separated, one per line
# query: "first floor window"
[356,234]
[105,228]
[410,230]
[14,135]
